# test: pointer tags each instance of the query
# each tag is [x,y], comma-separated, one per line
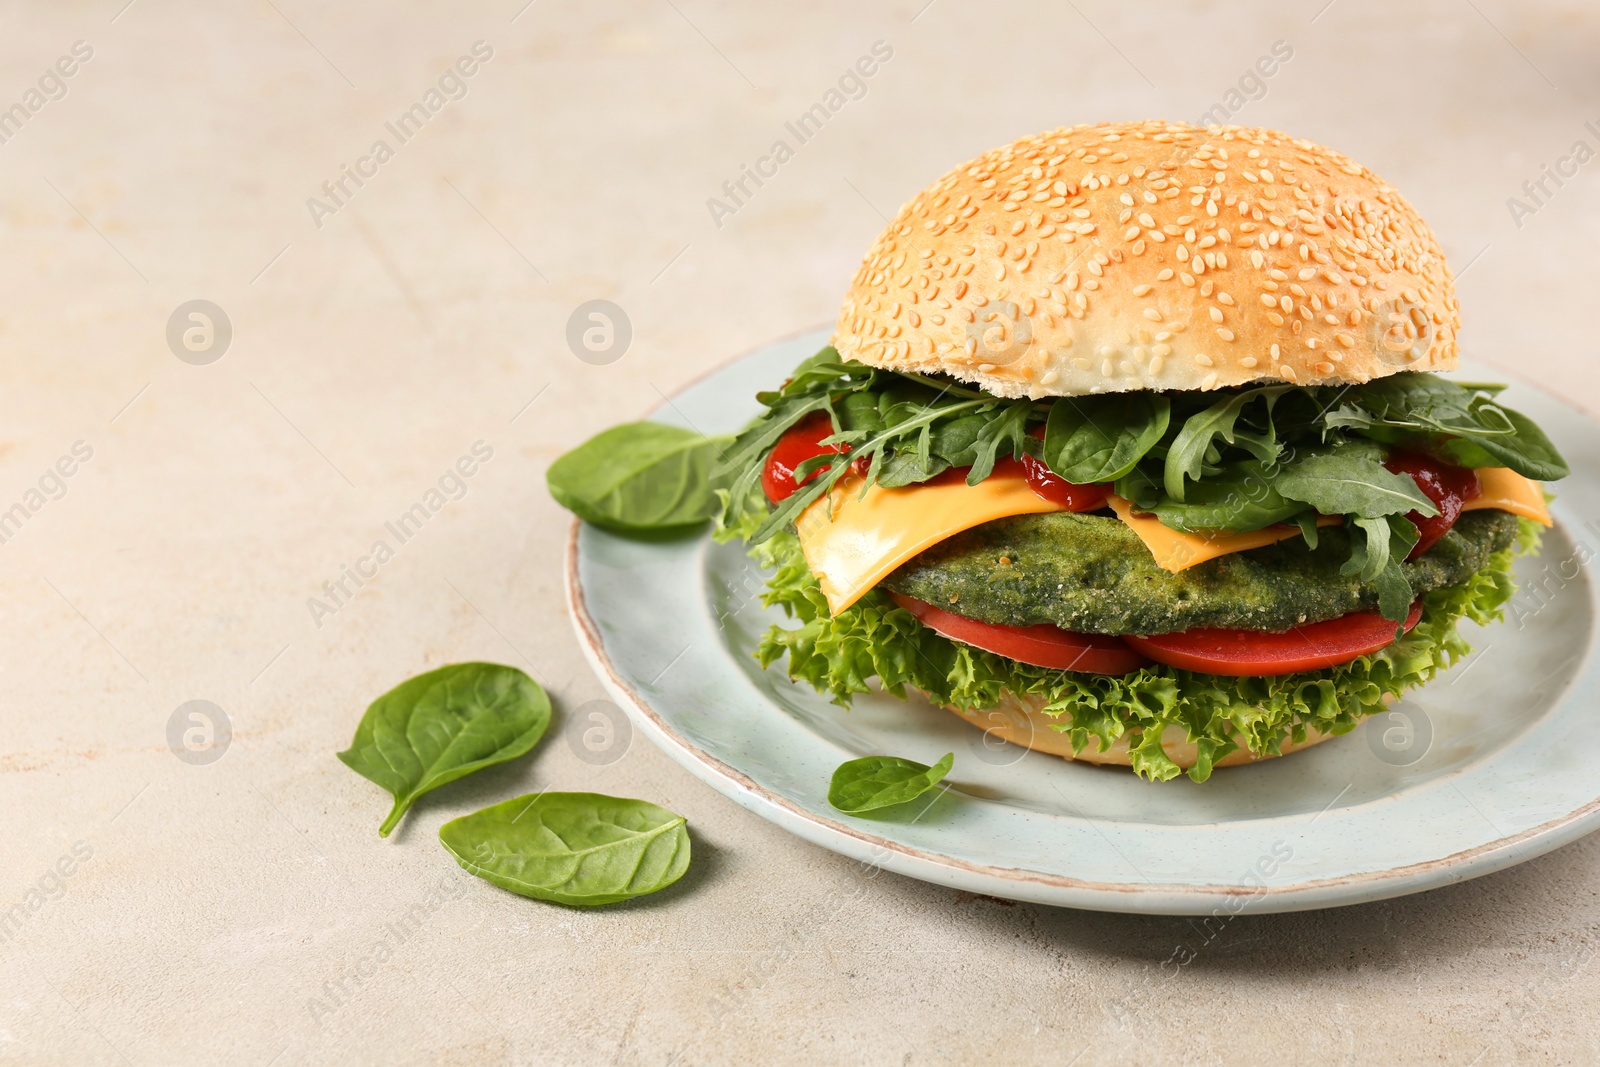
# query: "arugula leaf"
[1351,482]
[790,508]
[642,479]
[1307,521]
[1196,441]
[1008,430]
[1369,555]
[445,724]
[572,848]
[1102,438]
[873,782]
[907,427]
[1377,557]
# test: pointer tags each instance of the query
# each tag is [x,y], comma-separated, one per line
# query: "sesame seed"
[1142,290]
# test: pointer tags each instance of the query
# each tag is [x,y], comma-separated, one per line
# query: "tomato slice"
[1251,653]
[1043,645]
[1447,485]
[798,444]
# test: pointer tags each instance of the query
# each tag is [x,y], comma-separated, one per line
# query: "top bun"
[1153,255]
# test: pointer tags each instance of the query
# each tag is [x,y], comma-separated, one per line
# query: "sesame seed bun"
[1153,255]
[1019,721]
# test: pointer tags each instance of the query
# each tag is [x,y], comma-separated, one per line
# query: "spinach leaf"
[1142,487]
[572,848]
[881,781]
[1196,442]
[1101,438]
[956,440]
[1242,496]
[1527,451]
[443,725]
[1459,422]
[641,479]
[908,468]
[1351,481]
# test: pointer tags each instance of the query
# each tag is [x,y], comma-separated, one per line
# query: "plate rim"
[1016,882]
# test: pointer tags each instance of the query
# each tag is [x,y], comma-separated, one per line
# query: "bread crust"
[1153,255]
[1019,721]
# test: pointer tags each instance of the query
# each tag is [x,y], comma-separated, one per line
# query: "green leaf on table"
[1092,439]
[572,848]
[882,781]
[644,480]
[443,725]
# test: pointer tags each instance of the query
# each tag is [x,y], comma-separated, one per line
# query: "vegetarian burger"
[1132,433]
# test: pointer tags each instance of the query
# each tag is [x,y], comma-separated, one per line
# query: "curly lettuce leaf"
[841,655]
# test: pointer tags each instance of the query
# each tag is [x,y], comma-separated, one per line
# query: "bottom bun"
[1020,721]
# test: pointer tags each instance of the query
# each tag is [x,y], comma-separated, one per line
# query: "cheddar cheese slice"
[864,540]
[1504,489]
[1175,550]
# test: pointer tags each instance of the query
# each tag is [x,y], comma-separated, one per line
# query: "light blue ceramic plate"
[1496,762]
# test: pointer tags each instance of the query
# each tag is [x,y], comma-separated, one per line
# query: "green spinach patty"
[1092,574]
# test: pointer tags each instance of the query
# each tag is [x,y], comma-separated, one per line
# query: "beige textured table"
[156,909]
